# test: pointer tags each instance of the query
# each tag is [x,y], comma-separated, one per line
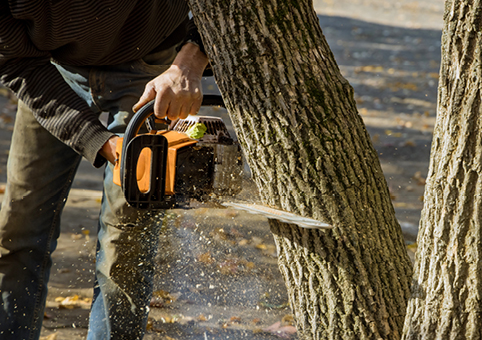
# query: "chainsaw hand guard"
[140,189]
[141,156]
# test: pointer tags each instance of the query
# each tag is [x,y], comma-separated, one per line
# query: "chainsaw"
[168,164]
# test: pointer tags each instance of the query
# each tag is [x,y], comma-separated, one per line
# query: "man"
[68,61]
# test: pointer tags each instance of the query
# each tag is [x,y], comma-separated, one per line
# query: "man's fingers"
[174,109]
[196,105]
[148,95]
[163,102]
[189,111]
[161,106]
[183,112]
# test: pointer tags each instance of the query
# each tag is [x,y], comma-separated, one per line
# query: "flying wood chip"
[280,215]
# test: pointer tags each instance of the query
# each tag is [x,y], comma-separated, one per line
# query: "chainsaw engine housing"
[226,154]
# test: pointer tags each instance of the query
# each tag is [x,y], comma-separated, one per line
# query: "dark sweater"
[80,33]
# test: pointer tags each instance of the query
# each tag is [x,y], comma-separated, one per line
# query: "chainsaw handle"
[136,122]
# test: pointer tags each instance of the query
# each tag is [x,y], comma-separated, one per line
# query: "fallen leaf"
[206,258]
[272,306]
[288,319]
[243,242]
[409,143]
[418,177]
[403,86]
[74,301]
[231,213]
[6,119]
[166,319]
[392,194]
[285,332]
[261,246]
[76,236]
[229,267]
[235,319]
[250,265]
[166,296]
[183,320]
[52,336]
[156,302]
[150,323]
[264,302]
[369,68]
[412,246]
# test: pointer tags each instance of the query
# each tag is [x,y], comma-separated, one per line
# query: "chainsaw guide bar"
[278,214]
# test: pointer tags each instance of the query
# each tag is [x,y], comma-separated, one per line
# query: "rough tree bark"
[447,285]
[310,153]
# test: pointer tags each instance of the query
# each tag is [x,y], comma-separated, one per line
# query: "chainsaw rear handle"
[139,118]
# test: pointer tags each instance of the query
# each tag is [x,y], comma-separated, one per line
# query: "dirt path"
[218,276]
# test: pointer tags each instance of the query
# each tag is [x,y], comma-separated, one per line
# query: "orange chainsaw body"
[164,168]
[176,141]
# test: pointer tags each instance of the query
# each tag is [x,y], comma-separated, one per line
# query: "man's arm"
[56,106]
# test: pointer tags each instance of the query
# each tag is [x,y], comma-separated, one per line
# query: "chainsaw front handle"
[144,112]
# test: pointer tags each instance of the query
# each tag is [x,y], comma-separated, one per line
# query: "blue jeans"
[40,172]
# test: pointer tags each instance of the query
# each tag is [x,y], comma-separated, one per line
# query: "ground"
[217,269]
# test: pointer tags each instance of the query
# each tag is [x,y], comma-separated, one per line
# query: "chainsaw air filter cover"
[216,129]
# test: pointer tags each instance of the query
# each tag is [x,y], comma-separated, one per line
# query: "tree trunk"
[310,153]
[447,286]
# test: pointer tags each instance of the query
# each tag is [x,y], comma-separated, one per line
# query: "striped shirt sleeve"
[28,72]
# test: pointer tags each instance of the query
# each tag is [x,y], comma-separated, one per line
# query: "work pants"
[40,173]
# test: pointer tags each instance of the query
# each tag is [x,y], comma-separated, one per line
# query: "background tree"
[310,153]
[447,286]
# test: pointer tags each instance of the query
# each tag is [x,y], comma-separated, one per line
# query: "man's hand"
[177,91]
[108,149]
